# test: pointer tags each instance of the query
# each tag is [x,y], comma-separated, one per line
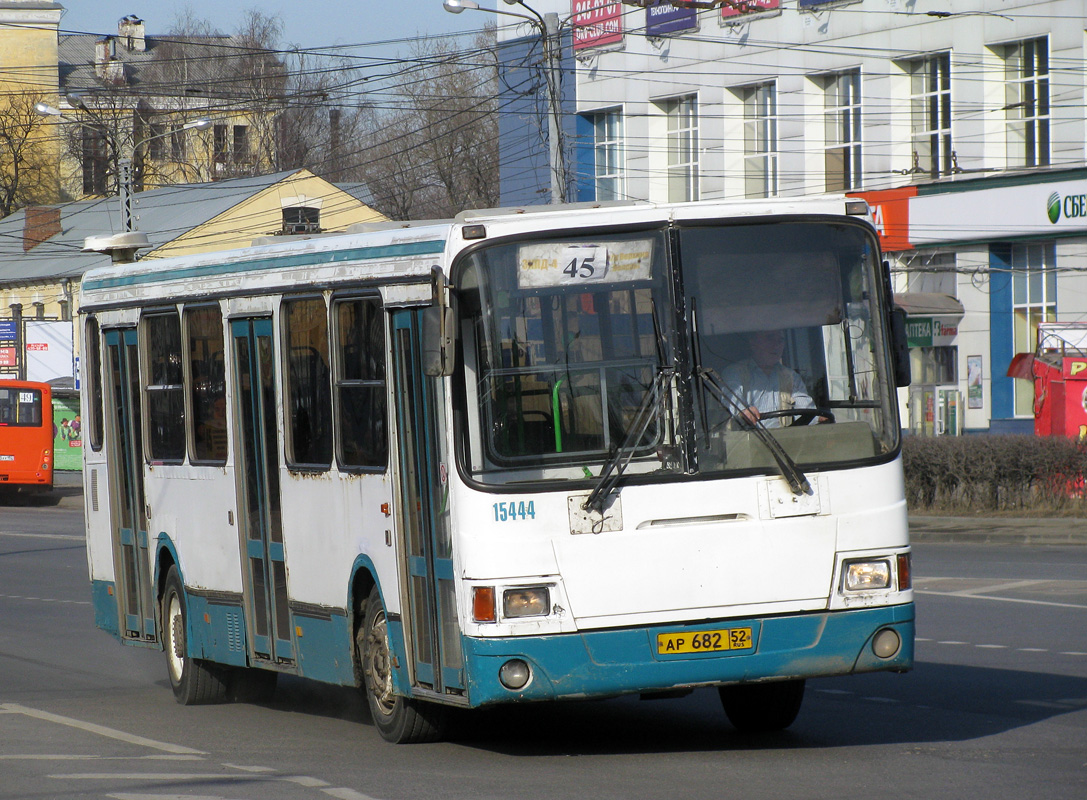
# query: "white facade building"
[961,123]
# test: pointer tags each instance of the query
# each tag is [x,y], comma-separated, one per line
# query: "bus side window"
[308,400]
[165,389]
[360,383]
[92,347]
[207,383]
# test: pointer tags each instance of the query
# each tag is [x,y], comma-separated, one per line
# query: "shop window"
[1034,300]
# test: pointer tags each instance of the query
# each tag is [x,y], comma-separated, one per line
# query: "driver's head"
[767,347]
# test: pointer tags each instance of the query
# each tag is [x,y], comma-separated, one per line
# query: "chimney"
[131,32]
[39,224]
[106,65]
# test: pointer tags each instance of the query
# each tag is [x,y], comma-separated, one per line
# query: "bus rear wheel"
[194,682]
[762,707]
[398,719]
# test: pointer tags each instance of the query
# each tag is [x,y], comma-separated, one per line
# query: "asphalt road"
[996,708]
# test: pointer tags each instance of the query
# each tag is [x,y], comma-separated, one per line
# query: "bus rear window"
[20,408]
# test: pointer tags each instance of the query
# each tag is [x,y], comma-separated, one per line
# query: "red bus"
[26,437]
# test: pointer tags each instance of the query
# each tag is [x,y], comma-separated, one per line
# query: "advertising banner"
[664,18]
[48,350]
[597,23]
[67,433]
[738,8]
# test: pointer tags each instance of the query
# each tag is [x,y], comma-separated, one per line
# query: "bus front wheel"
[398,719]
[762,707]
[194,681]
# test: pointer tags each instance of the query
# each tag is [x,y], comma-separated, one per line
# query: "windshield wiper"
[729,400]
[617,463]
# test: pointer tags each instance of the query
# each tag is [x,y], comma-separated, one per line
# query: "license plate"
[704,641]
[7,458]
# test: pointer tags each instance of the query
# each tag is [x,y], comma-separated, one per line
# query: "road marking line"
[27,535]
[880,699]
[249,769]
[1033,649]
[44,599]
[998,587]
[126,796]
[1072,653]
[1004,599]
[346,794]
[158,776]
[101,730]
[84,757]
[302,780]
[992,646]
[949,642]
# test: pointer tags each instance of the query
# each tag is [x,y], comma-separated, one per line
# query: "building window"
[301,219]
[241,144]
[95,161]
[842,126]
[177,144]
[1026,102]
[360,383]
[309,401]
[165,389]
[930,114]
[156,141]
[608,154]
[1034,300]
[682,145]
[220,147]
[760,140]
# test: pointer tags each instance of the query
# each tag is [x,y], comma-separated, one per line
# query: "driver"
[761,383]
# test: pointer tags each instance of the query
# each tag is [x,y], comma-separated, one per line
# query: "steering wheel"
[804,416]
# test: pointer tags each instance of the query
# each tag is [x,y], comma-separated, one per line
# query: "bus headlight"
[865,576]
[530,601]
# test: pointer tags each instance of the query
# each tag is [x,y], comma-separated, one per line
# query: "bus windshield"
[665,349]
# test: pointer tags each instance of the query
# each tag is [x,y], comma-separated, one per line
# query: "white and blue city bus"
[498,459]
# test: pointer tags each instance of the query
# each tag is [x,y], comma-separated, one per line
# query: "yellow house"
[28,75]
[42,262]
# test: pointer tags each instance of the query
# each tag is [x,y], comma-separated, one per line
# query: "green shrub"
[977,474]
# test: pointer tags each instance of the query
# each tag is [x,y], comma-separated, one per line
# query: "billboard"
[736,8]
[49,350]
[597,23]
[663,18]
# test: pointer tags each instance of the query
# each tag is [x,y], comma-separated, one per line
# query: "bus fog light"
[514,674]
[861,576]
[886,643]
[532,601]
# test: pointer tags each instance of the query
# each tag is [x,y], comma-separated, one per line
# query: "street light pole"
[124,165]
[547,26]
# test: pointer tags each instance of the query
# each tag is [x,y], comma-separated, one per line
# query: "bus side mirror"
[900,349]
[438,347]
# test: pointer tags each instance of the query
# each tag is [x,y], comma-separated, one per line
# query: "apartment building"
[961,123]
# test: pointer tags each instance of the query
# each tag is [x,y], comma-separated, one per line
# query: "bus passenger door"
[125,430]
[265,579]
[433,632]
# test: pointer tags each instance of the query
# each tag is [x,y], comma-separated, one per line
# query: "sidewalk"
[999,530]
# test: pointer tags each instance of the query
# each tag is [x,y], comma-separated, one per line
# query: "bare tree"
[28,164]
[435,151]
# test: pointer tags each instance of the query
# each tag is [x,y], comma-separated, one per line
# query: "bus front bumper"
[603,663]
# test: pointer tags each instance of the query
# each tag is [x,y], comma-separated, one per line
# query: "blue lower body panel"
[622,661]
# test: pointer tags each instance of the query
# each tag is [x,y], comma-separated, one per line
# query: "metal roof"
[162,214]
